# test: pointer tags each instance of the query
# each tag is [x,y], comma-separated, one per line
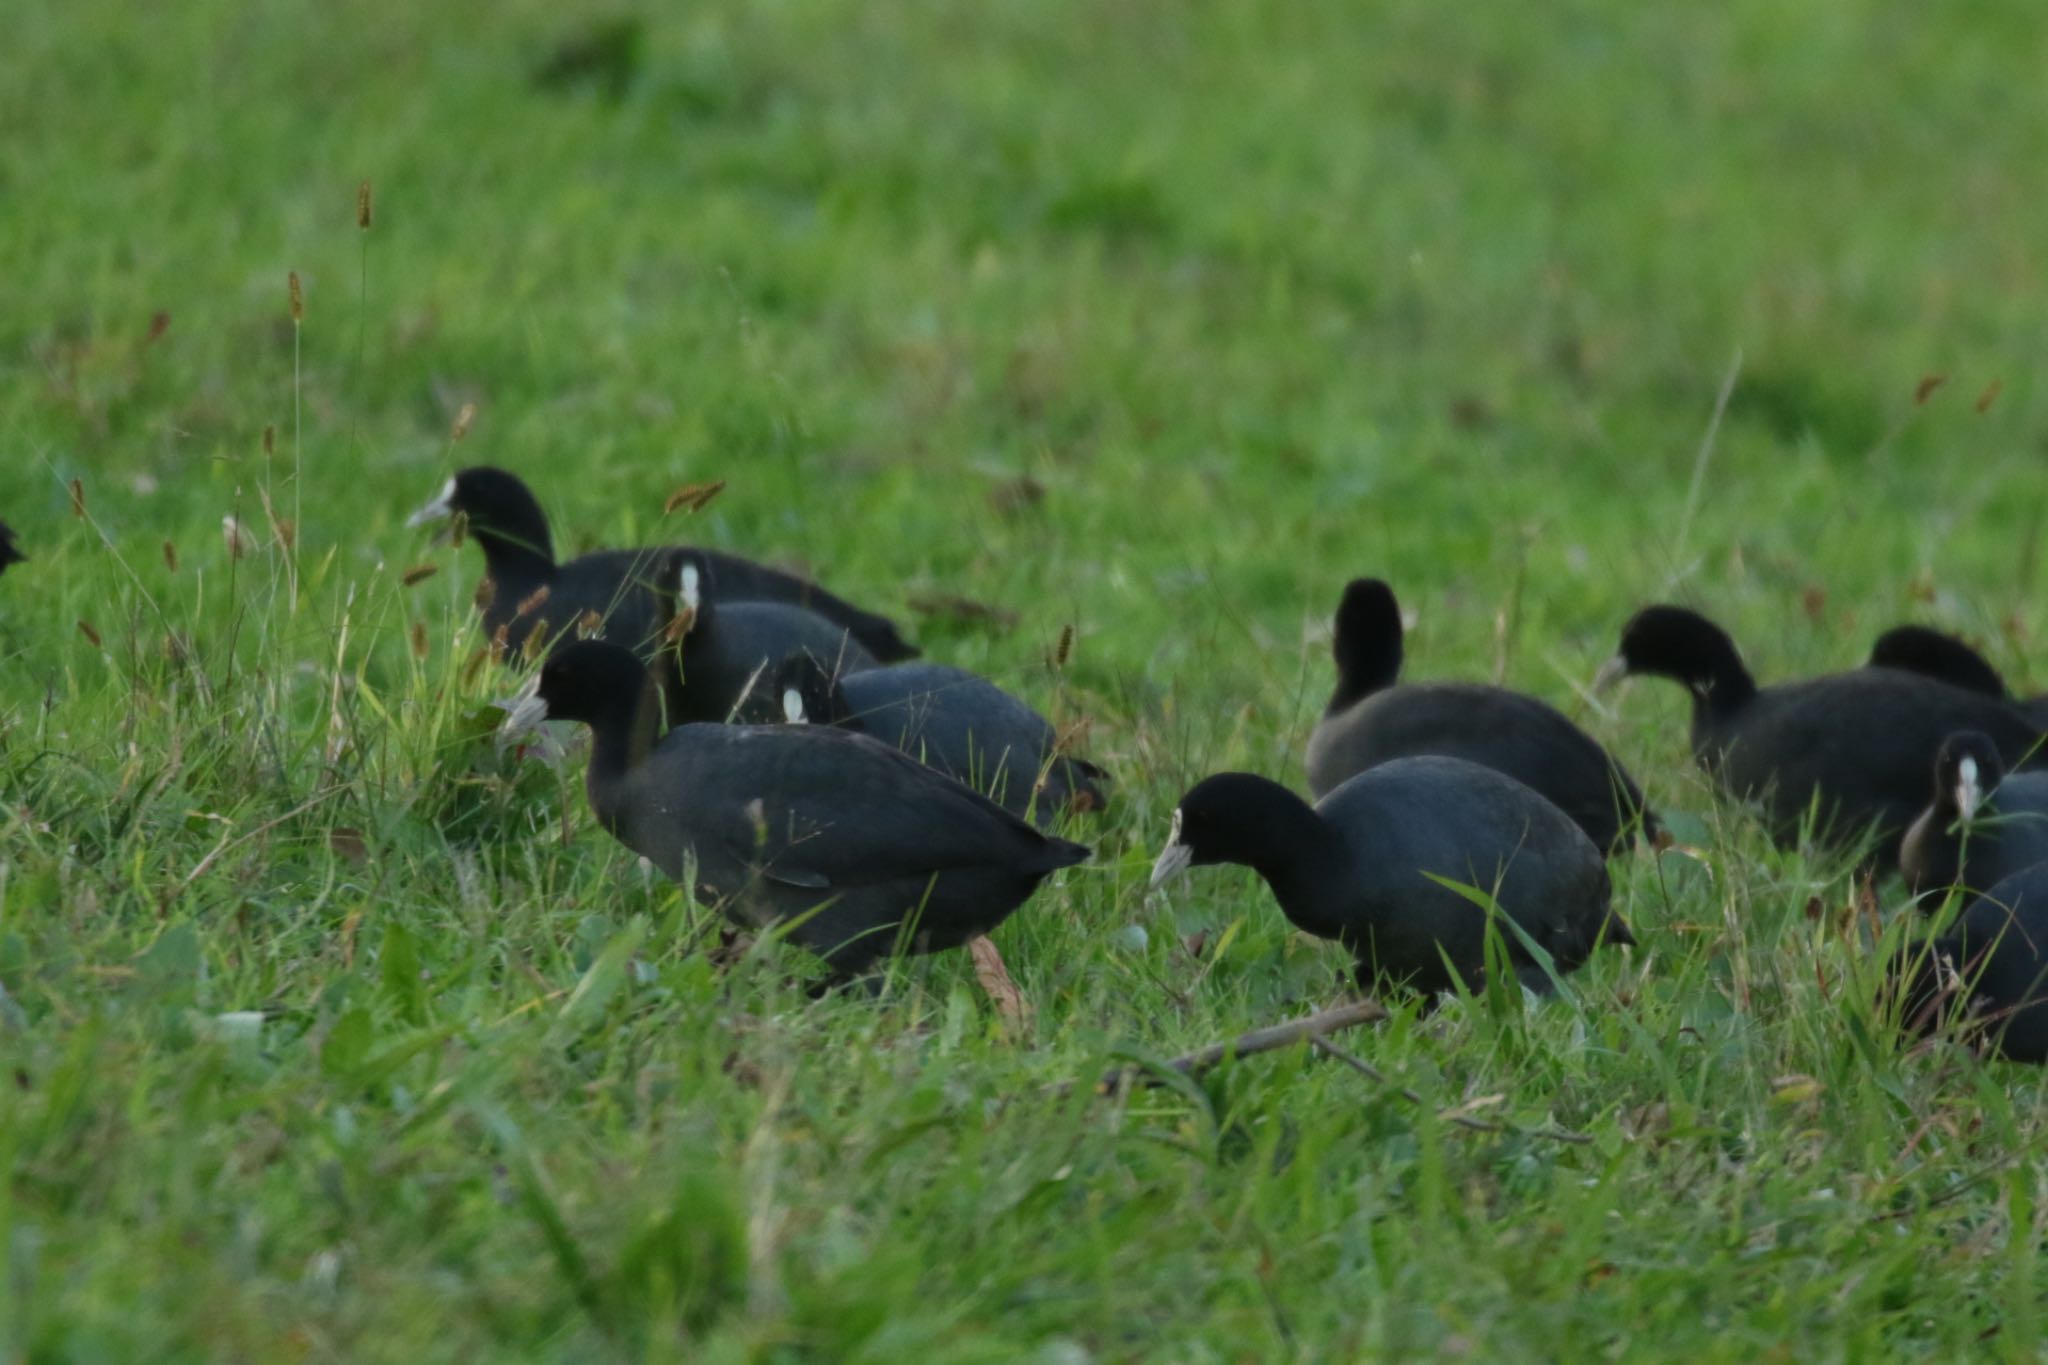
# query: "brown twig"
[1466,1121]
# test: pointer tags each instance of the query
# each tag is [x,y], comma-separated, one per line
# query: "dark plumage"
[963,725]
[1929,652]
[1995,956]
[1933,654]
[1982,825]
[781,821]
[728,651]
[608,586]
[1854,748]
[1372,718]
[1354,866]
[8,553]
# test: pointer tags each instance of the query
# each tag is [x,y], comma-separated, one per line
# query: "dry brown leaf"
[995,980]
[170,556]
[78,499]
[1924,390]
[85,629]
[693,496]
[418,574]
[1990,395]
[419,640]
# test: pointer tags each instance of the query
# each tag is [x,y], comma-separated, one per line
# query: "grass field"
[326,1035]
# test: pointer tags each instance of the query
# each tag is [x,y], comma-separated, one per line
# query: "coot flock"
[774,746]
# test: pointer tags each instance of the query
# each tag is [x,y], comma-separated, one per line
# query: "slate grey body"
[1354,867]
[1854,746]
[857,847]
[1471,824]
[957,722]
[1935,654]
[1521,736]
[1373,717]
[1997,954]
[846,827]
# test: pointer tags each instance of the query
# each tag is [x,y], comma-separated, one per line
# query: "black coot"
[1357,866]
[8,553]
[1933,654]
[728,651]
[1923,650]
[1853,748]
[1372,718]
[1994,957]
[963,725]
[524,585]
[1982,825]
[858,847]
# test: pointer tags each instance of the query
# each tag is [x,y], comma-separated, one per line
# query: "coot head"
[1680,644]
[500,510]
[685,580]
[592,681]
[807,692]
[8,553]
[1367,644]
[1918,649]
[1967,769]
[1228,818]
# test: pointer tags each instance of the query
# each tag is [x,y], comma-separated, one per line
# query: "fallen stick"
[1313,1027]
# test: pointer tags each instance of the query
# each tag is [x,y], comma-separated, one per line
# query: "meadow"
[329,1033]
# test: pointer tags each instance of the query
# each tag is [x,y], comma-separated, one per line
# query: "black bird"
[1934,654]
[1982,825]
[728,651]
[1995,958]
[950,719]
[524,585]
[1372,717]
[1853,749]
[851,843]
[1358,867]
[8,553]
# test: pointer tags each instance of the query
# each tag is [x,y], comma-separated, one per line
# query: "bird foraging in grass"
[857,850]
[1847,754]
[524,586]
[1377,865]
[1373,716]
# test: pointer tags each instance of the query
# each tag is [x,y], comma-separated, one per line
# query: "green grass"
[1261,296]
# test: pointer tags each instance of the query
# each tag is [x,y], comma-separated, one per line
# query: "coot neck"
[620,737]
[1364,668]
[1720,688]
[519,554]
[1296,852]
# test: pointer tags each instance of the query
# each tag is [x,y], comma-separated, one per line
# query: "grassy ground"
[326,1037]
